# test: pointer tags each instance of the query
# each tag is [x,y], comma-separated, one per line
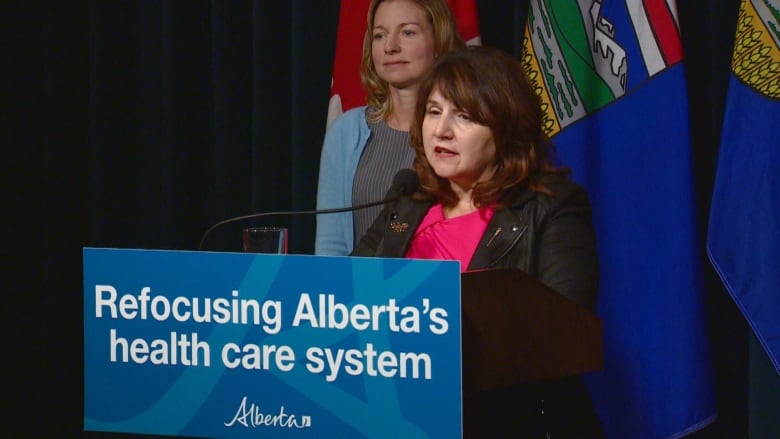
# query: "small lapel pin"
[399,227]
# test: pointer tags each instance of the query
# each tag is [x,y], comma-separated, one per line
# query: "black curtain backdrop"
[138,124]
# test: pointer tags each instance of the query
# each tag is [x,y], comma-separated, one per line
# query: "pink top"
[456,238]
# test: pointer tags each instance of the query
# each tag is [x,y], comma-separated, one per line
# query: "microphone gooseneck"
[405,182]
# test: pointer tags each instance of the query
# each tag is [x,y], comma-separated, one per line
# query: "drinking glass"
[265,240]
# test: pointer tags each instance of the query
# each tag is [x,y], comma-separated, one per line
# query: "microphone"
[405,182]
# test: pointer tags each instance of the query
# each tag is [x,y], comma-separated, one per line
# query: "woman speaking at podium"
[491,195]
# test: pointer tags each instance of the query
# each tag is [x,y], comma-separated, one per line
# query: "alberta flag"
[611,78]
[744,231]
[346,91]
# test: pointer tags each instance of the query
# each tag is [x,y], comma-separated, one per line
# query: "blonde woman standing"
[366,146]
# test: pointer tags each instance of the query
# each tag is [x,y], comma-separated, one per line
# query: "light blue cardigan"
[344,142]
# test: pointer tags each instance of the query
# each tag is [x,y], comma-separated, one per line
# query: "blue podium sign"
[236,345]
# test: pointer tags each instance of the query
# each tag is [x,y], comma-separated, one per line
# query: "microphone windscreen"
[405,182]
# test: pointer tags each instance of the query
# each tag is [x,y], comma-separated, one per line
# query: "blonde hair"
[446,38]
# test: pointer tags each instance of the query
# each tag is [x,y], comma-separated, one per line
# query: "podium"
[240,345]
[516,330]
[236,345]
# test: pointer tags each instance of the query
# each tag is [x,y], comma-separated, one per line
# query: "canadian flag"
[346,91]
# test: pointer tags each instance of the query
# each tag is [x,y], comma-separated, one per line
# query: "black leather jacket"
[549,237]
[552,239]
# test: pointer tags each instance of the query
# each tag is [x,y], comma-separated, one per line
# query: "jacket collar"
[502,233]
[504,230]
[404,218]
